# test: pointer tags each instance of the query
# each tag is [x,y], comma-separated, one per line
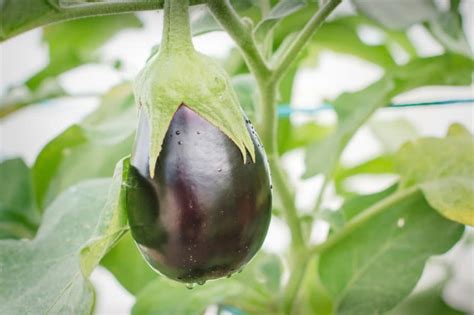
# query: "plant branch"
[47,15]
[230,21]
[363,217]
[283,63]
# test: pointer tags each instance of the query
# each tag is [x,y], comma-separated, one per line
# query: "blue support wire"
[285,110]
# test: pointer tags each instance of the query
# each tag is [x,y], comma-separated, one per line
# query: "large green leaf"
[399,14]
[378,262]
[427,302]
[19,217]
[444,169]
[89,149]
[353,109]
[128,266]
[49,273]
[77,42]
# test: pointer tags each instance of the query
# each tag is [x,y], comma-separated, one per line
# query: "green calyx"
[179,75]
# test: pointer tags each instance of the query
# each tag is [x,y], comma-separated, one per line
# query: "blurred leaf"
[427,302]
[391,134]
[268,270]
[89,149]
[164,296]
[204,22]
[353,109]
[399,14]
[77,42]
[383,164]
[21,97]
[444,169]
[376,264]
[298,136]
[19,217]
[126,263]
[447,28]
[352,207]
[282,9]
[49,273]
[246,88]
[313,298]
[253,291]
[356,205]
[340,35]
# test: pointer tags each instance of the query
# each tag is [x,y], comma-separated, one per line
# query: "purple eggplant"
[205,213]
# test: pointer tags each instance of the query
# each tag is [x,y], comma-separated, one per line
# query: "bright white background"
[26,132]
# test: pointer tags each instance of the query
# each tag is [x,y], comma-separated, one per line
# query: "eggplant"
[204,213]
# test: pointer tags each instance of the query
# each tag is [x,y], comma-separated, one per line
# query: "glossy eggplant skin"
[205,212]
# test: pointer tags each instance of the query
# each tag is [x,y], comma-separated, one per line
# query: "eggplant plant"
[174,178]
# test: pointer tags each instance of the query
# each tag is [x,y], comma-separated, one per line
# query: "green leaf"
[20,97]
[447,28]
[353,206]
[245,87]
[126,263]
[391,134]
[399,14]
[254,291]
[313,298]
[354,109]
[298,136]
[19,217]
[204,23]
[281,10]
[77,42]
[383,164]
[340,35]
[444,169]
[377,263]
[49,273]
[168,297]
[87,150]
[427,302]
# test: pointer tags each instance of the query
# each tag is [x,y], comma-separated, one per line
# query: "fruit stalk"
[176,29]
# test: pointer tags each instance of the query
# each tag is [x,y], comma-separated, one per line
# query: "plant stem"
[283,63]
[294,283]
[319,199]
[284,192]
[176,30]
[231,22]
[363,217]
